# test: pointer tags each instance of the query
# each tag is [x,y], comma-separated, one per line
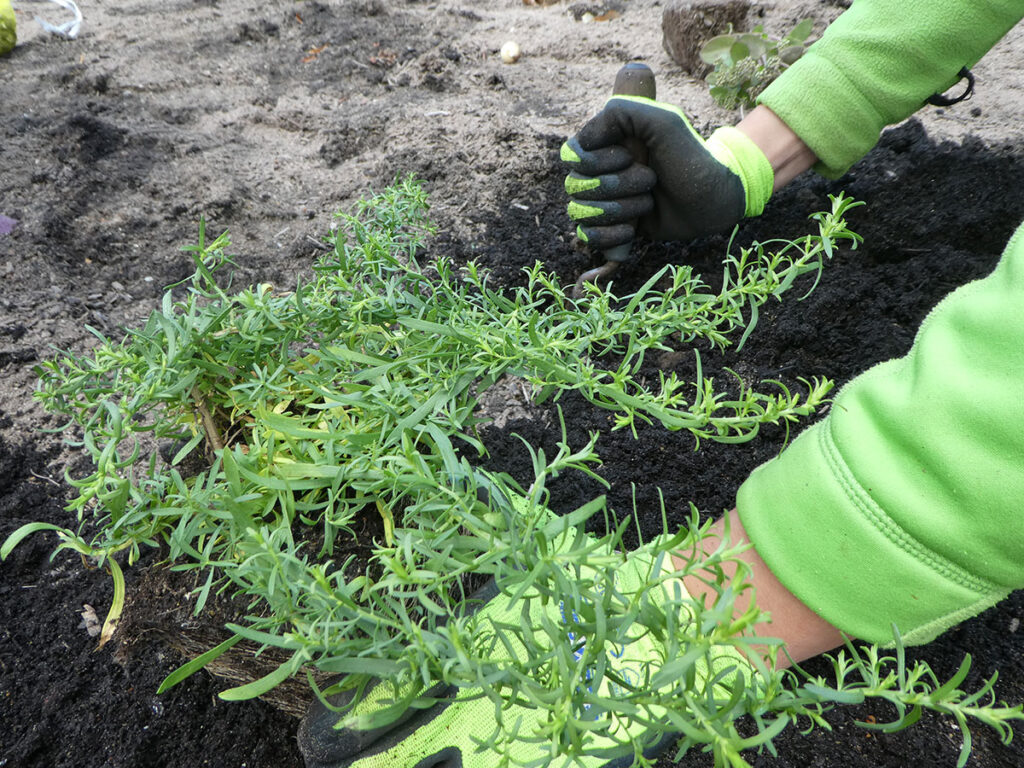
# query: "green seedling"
[745,63]
[255,436]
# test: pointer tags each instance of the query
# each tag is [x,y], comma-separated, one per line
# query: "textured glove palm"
[688,187]
[448,734]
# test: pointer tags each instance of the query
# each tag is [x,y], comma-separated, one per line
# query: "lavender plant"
[355,397]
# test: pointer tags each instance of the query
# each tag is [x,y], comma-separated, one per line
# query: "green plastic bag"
[8,27]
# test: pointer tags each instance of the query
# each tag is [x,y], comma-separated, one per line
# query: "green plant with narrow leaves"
[351,403]
[745,63]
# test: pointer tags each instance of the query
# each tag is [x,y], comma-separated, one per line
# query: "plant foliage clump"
[745,63]
[307,415]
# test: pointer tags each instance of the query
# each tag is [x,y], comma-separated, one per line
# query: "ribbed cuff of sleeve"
[738,152]
[833,547]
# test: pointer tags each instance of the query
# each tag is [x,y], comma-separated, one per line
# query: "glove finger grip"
[635,180]
[607,159]
[600,213]
[605,238]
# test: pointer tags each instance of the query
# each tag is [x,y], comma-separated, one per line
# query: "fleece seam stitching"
[928,631]
[870,509]
[884,525]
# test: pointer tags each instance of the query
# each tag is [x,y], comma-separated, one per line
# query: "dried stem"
[208,424]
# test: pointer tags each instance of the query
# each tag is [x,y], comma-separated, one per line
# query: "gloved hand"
[448,733]
[8,27]
[688,187]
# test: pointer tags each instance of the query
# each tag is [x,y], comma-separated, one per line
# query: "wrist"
[785,151]
[804,633]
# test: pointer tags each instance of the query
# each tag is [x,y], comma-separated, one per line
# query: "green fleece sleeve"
[876,65]
[904,505]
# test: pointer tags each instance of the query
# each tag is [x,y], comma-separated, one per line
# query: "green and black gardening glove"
[688,187]
[444,727]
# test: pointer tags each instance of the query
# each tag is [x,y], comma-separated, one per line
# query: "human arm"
[877,64]
[786,152]
[804,633]
[901,507]
[885,513]
[862,529]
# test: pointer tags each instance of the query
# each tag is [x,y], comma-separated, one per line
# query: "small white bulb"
[510,52]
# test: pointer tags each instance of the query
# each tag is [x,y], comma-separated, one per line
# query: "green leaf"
[724,97]
[204,593]
[381,668]
[897,725]
[265,683]
[677,668]
[940,693]
[965,748]
[186,670]
[765,735]
[739,51]
[426,326]
[344,353]
[576,518]
[821,693]
[293,428]
[756,45]
[752,319]
[264,638]
[230,467]
[791,54]
[27,530]
[801,31]
[717,49]
[116,605]
[186,449]
[389,522]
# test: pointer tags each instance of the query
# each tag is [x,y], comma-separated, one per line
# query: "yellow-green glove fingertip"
[566,153]
[579,211]
[8,27]
[574,184]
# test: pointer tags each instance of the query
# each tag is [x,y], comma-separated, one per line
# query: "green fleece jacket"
[903,506]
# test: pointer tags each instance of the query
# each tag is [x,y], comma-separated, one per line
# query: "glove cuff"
[738,152]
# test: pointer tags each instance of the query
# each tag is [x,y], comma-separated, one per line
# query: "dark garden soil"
[264,118]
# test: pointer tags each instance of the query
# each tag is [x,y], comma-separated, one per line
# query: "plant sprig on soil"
[255,437]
